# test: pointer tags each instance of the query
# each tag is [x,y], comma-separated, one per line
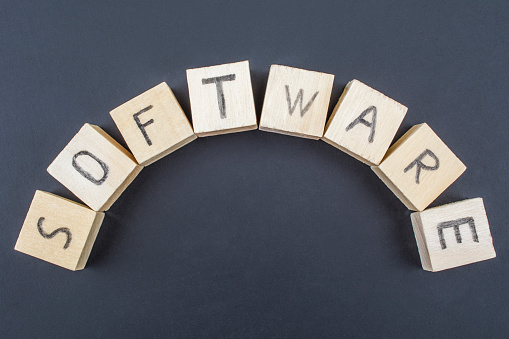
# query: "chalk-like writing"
[371,124]
[419,164]
[456,225]
[55,232]
[87,174]
[299,99]
[220,93]
[142,126]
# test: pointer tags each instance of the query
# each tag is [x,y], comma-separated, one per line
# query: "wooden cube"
[296,102]
[419,167]
[95,167]
[153,124]
[453,235]
[221,99]
[364,123]
[59,231]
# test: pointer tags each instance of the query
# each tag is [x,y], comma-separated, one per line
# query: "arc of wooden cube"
[417,168]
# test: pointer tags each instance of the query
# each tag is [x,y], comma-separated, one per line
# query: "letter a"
[360,120]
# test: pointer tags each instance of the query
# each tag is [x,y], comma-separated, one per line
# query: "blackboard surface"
[253,234]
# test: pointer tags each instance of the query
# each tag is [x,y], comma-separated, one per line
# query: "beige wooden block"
[296,102]
[453,235]
[94,167]
[59,231]
[419,167]
[364,123]
[221,99]
[153,124]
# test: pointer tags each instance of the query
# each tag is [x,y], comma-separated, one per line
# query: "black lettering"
[418,162]
[219,88]
[299,99]
[85,173]
[54,233]
[360,120]
[142,126]
[456,225]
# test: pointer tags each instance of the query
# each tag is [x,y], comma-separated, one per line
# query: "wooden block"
[364,123]
[453,235]
[419,167]
[221,99]
[59,231]
[153,124]
[94,167]
[296,102]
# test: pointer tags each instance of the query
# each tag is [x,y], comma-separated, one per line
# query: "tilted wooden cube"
[296,102]
[59,231]
[221,99]
[364,123]
[153,124]
[95,167]
[453,235]
[419,167]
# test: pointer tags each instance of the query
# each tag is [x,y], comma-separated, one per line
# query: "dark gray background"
[253,234]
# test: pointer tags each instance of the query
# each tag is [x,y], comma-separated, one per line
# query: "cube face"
[221,99]
[453,235]
[419,167]
[153,124]
[296,102]
[59,231]
[364,123]
[94,167]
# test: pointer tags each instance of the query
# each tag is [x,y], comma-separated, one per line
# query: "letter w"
[299,99]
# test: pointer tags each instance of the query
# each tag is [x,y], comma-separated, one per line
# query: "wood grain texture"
[95,167]
[414,185]
[296,102]
[64,222]
[453,235]
[221,99]
[364,122]
[153,124]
